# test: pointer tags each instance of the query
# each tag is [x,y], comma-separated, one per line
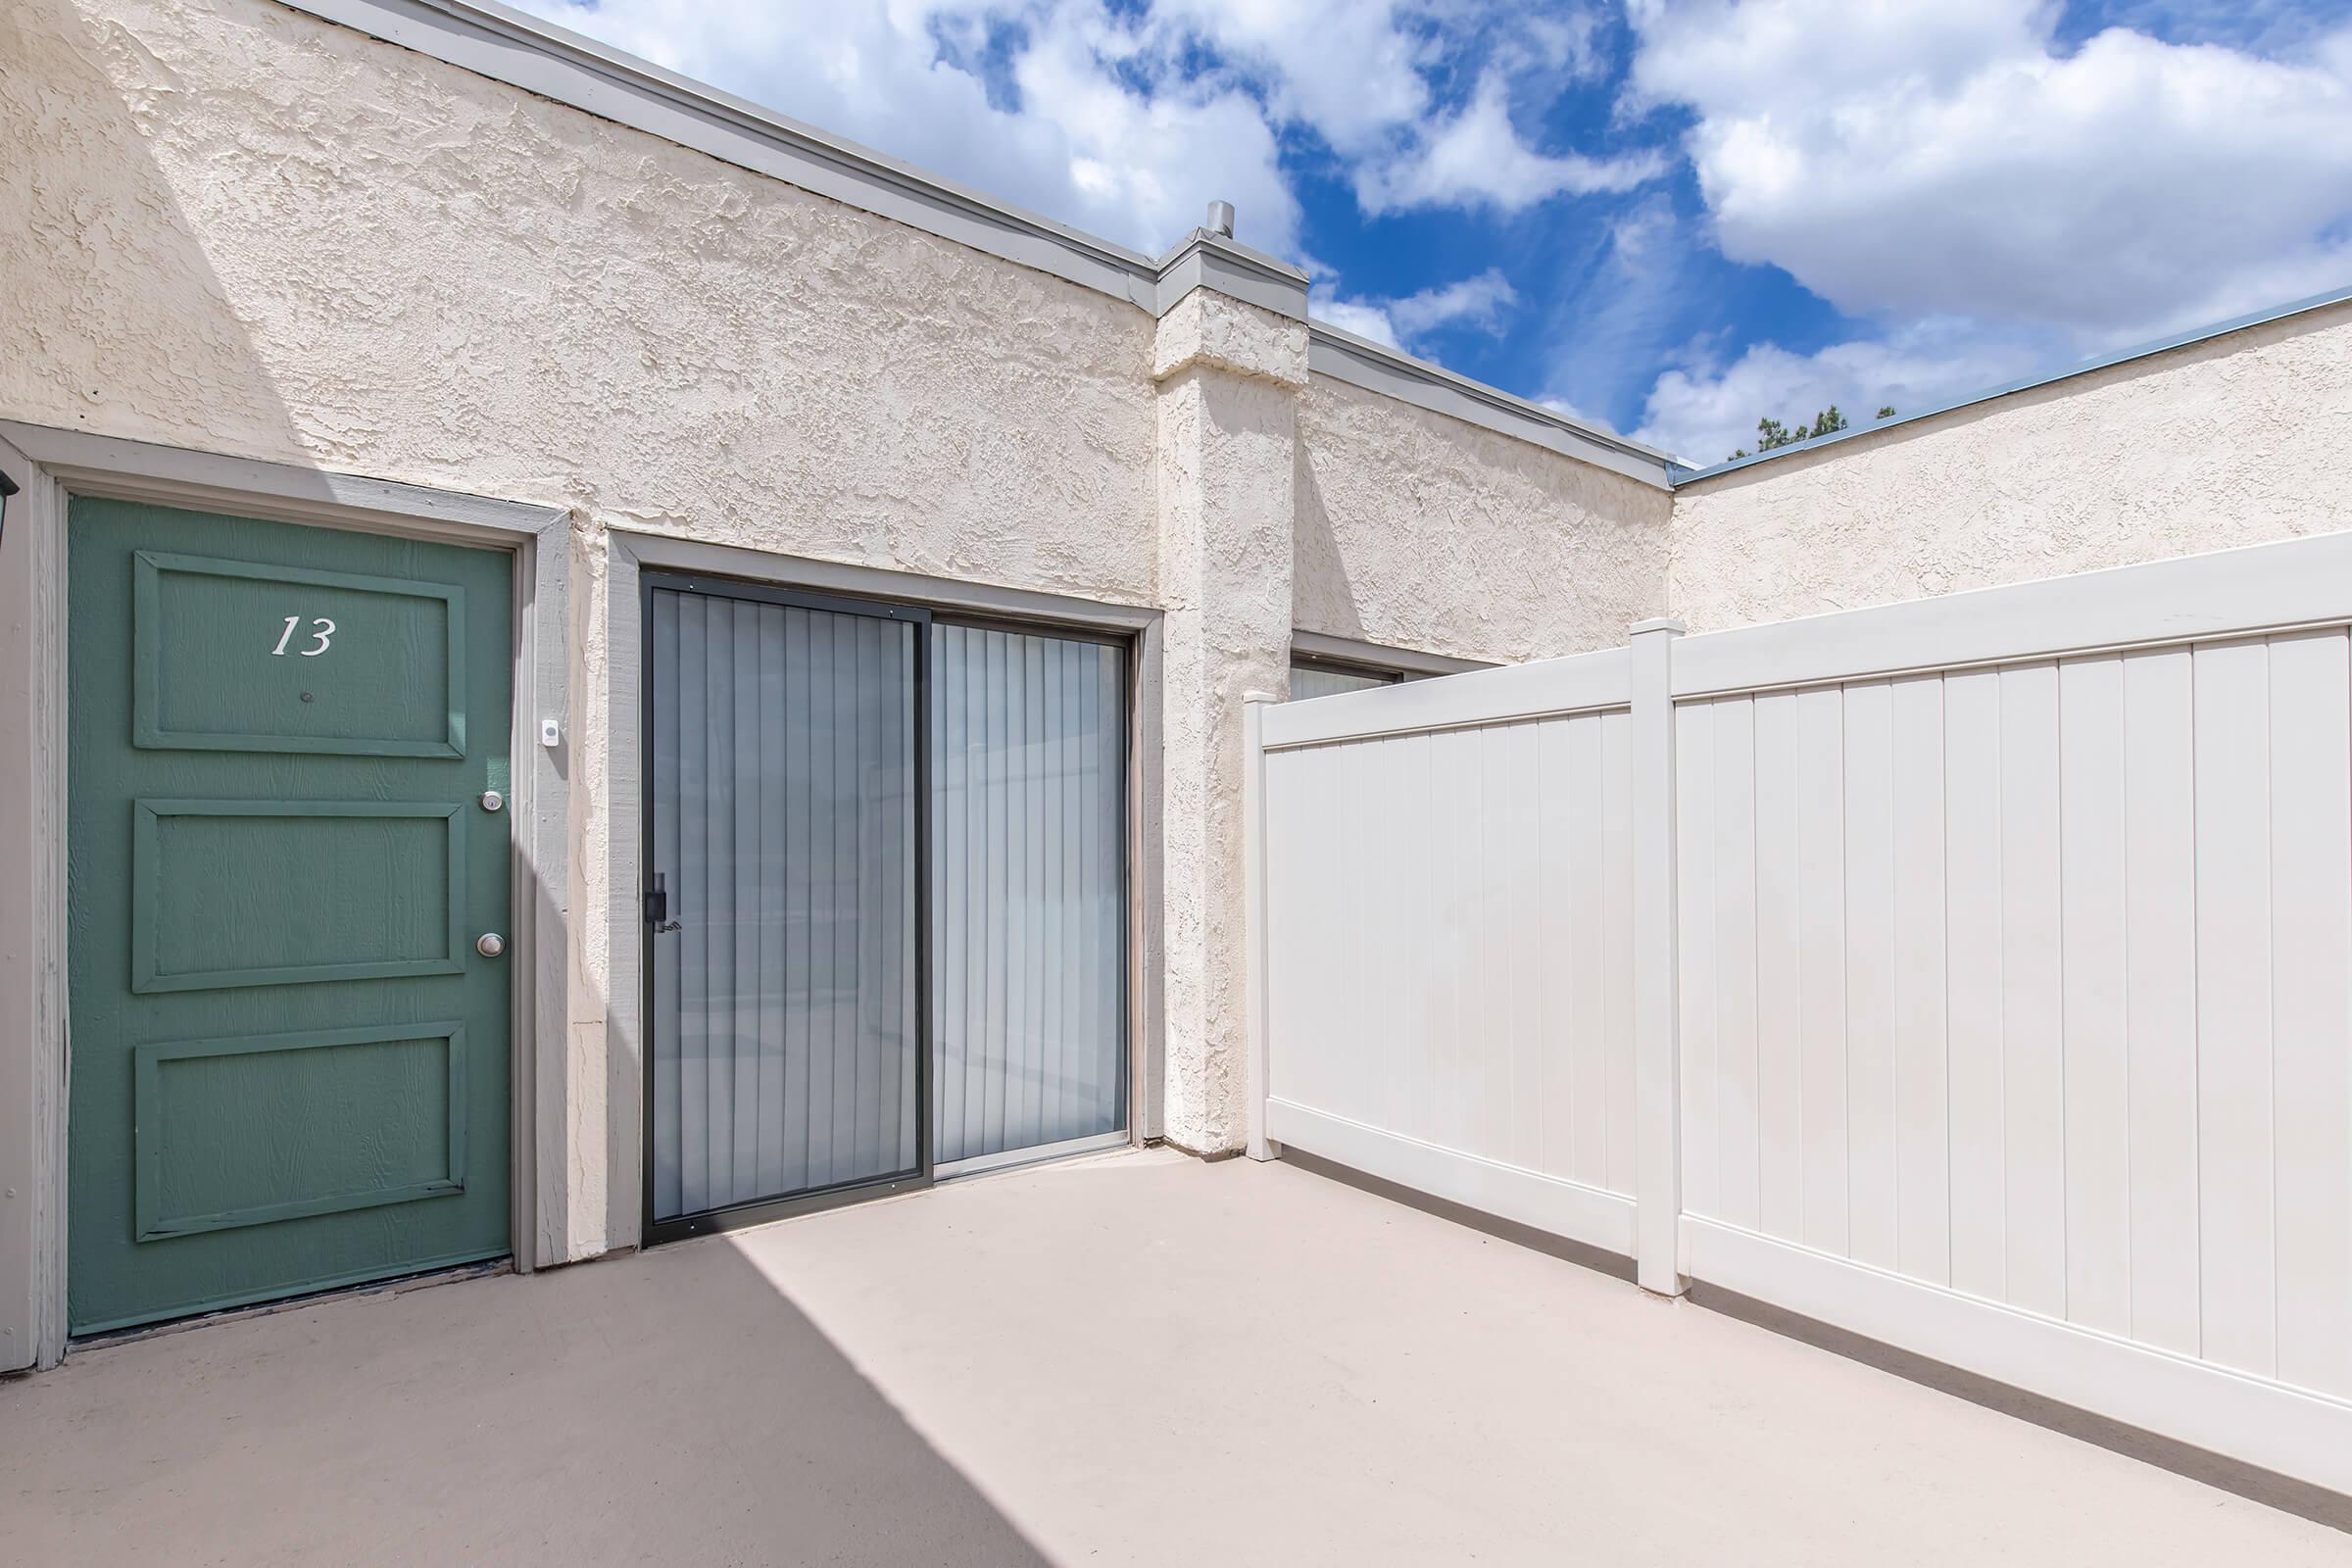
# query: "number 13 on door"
[321,628]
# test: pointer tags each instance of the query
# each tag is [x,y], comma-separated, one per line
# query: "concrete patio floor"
[1136,1358]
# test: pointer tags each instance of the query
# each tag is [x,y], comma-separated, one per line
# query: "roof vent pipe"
[1220,219]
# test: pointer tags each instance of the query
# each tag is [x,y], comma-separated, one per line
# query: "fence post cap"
[1665,623]
[1255,696]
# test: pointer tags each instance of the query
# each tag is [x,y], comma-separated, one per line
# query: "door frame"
[51,466]
[633,554]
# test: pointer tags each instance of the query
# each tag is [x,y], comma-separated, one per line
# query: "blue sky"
[1667,217]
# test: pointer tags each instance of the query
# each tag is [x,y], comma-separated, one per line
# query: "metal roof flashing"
[1208,258]
[1346,356]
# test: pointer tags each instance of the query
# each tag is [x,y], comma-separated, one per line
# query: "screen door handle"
[656,905]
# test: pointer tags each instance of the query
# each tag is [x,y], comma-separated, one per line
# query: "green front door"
[290,1059]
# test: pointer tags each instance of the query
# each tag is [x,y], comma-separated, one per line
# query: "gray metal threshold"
[1035,1154]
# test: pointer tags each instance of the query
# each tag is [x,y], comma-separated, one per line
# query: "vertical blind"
[783,828]
[1317,680]
[1028,997]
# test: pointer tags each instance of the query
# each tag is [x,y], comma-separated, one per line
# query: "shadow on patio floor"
[665,1409]
[1137,1358]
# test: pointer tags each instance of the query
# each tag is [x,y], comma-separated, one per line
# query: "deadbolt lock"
[492,800]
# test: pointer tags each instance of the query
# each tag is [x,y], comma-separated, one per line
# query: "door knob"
[490,945]
[492,800]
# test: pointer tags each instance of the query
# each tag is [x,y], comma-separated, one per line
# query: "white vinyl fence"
[1975,974]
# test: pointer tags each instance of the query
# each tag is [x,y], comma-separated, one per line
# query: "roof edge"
[496,41]
[506,45]
[1680,474]
[1361,361]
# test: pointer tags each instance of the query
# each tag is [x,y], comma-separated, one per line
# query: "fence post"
[1254,898]
[1658,1028]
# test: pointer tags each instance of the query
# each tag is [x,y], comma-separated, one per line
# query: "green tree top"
[1771,434]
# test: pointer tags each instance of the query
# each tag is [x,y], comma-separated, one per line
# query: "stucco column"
[1229,375]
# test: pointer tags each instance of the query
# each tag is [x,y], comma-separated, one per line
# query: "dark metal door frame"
[761,1210]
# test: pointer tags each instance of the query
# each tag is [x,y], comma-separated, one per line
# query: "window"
[1322,678]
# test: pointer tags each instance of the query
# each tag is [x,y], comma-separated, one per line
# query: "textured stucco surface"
[1208,328]
[233,226]
[2234,441]
[1227,429]
[1417,530]
[228,227]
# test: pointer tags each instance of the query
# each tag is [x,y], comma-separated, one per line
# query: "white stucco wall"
[1417,530]
[228,227]
[2236,440]
[1229,380]
[234,227]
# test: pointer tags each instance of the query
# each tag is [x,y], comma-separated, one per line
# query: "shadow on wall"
[1322,596]
[138,336]
[667,1409]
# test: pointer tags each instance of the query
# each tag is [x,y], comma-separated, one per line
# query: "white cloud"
[1362,319]
[2003,204]
[1085,145]
[1480,303]
[1475,157]
[1704,410]
[1346,68]
[1951,159]
[1124,120]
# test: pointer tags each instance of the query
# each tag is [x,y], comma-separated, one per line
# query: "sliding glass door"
[1028,895]
[886,910]
[781,897]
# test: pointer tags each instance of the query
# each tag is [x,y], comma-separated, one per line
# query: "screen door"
[781,862]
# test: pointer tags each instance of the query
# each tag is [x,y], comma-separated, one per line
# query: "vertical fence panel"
[2238,1238]
[1517,820]
[1558,803]
[1779,1029]
[2097,1090]
[1972,760]
[1821,962]
[1870,1102]
[2311,844]
[1386,938]
[2160,978]
[1586,958]
[1697,902]
[1617,882]
[2032,1059]
[1923,1119]
[1735,947]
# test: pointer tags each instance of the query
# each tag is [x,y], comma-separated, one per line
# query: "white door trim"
[52,465]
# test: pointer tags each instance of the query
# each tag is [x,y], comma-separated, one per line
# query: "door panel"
[358,889]
[289,1064]
[781,836]
[1028,889]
